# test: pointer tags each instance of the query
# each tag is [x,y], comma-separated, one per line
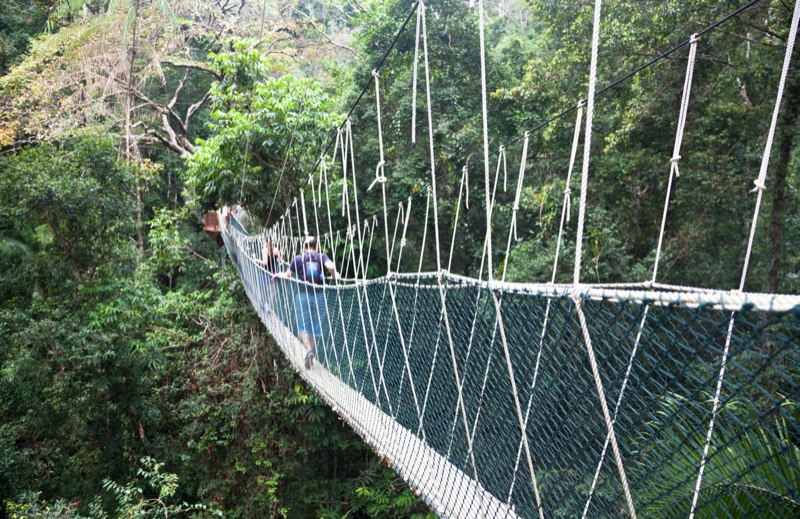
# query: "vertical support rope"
[587,145]
[420,9]
[434,195]
[485,119]
[676,151]
[606,415]
[760,186]
[673,172]
[303,205]
[464,180]
[380,173]
[361,236]
[760,182]
[512,230]
[587,139]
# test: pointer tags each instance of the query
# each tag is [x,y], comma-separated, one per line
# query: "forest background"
[134,376]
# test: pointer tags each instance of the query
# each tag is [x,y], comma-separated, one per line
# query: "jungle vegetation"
[135,378]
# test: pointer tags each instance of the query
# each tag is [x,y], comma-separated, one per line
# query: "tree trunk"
[777,187]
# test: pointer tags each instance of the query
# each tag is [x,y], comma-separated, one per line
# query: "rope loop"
[760,185]
[465,180]
[375,73]
[674,161]
[501,158]
[380,178]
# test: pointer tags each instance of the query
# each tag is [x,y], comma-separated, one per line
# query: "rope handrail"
[518,391]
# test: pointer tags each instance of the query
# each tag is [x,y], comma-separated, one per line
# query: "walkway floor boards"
[448,490]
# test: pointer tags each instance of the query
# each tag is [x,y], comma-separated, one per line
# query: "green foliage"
[132,501]
[752,466]
[167,244]
[266,132]
[74,201]
[19,21]
[108,358]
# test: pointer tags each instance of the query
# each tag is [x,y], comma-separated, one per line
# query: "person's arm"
[263,260]
[285,274]
[332,269]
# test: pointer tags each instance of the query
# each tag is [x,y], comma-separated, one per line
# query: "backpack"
[312,268]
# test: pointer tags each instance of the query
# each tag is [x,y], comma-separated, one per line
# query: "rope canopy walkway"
[499,399]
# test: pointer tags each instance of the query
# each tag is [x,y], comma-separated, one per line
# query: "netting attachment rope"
[760,184]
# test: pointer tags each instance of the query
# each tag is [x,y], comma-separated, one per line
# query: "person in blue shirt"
[309,304]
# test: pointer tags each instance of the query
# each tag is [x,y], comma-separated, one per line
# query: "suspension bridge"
[499,399]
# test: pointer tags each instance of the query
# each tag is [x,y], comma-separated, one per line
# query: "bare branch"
[330,41]
[178,89]
[195,65]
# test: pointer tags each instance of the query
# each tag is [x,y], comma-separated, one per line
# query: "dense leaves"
[265,134]
[134,379]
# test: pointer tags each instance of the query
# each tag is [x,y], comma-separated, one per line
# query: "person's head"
[310,244]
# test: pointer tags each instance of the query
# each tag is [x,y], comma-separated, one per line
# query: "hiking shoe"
[310,359]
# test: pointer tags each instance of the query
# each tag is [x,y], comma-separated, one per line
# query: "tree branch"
[194,65]
[330,41]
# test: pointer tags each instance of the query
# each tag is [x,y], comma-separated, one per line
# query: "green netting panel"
[659,365]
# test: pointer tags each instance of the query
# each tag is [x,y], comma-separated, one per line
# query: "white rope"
[361,237]
[420,428]
[380,175]
[674,172]
[578,251]
[606,415]
[354,233]
[676,151]
[430,137]
[473,327]
[500,325]
[485,119]
[465,174]
[303,205]
[345,199]
[587,140]
[501,155]
[464,180]
[403,239]
[517,195]
[420,9]
[349,136]
[760,184]
[438,242]
[400,217]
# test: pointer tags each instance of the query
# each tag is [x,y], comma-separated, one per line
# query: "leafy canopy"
[267,132]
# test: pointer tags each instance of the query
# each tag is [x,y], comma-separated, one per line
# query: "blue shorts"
[311,312]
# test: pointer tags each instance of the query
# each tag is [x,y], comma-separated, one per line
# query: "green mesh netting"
[661,419]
